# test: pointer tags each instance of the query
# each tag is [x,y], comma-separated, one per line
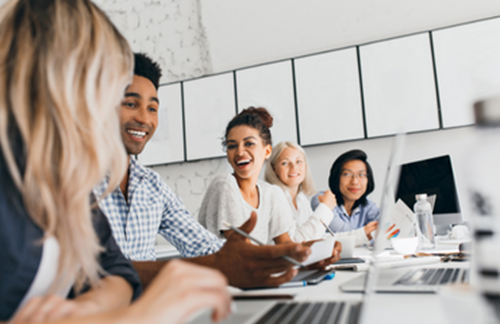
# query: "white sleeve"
[312,229]
[359,234]
[221,204]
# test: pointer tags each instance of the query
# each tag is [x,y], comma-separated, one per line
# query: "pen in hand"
[237,230]
[327,228]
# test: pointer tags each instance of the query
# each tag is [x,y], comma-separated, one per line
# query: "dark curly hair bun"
[262,113]
[257,118]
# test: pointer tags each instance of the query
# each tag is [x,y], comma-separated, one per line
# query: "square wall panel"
[468,68]
[398,86]
[270,86]
[208,107]
[167,143]
[328,97]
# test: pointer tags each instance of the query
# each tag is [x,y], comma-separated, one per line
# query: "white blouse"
[307,225]
[223,202]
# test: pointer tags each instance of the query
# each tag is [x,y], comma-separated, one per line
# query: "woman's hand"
[112,293]
[51,308]
[328,198]
[369,228]
[179,290]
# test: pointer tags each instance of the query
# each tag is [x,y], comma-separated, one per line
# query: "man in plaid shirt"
[143,205]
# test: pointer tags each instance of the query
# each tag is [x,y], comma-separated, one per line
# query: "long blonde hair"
[63,69]
[307,186]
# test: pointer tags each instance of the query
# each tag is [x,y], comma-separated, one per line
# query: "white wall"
[247,32]
[192,38]
[168,31]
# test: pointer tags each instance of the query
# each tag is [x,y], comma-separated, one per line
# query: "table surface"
[390,308]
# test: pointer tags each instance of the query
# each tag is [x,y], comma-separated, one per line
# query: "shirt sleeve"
[315,200]
[372,212]
[179,228]
[221,203]
[337,224]
[311,229]
[359,236]
[111,259]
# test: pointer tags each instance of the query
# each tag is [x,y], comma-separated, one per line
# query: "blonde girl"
[287,168]
[63,71]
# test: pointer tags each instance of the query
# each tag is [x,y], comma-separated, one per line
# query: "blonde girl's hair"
[63,71]
[307,186]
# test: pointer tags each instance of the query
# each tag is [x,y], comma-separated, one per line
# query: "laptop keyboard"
[310,313]
[434,277]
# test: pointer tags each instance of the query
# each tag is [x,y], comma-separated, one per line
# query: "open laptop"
[403,280]
[341,311]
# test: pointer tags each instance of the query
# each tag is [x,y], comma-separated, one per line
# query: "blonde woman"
[63,70]
[287,167]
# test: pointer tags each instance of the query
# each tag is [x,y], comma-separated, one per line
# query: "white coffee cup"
[347,245]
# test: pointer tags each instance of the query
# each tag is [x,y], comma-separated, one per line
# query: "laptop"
[342,311]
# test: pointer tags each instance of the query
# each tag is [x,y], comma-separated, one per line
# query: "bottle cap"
[421,196]
[487,112]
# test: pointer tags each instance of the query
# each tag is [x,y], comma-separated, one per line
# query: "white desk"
[384,308]
[388,307]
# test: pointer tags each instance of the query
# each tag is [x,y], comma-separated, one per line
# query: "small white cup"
[347,246]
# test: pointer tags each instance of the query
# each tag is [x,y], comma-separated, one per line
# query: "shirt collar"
[136,173]
[355,211]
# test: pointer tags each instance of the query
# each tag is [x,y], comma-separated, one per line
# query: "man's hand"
[244,264]
[247,265]
[321,265]
[369,228]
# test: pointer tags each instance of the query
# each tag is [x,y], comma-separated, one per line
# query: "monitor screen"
[433,177]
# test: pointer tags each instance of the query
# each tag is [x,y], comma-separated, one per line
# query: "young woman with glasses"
[351,181]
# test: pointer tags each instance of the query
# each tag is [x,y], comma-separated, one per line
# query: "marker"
[327,228]
[237,230]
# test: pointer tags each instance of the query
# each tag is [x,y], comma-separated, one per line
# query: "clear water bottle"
[425,222]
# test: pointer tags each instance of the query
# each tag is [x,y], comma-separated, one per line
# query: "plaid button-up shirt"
[152,208]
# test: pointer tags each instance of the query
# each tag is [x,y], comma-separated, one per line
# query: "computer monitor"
[434,177]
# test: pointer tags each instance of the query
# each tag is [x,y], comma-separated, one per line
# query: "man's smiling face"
[138,114]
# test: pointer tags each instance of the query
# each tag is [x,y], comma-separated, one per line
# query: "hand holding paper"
[322,250]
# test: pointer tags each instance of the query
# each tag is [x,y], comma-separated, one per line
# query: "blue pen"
[330,276]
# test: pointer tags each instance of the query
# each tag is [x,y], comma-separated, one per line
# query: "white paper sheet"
[320,251]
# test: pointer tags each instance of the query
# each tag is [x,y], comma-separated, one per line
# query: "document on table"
[401,222]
